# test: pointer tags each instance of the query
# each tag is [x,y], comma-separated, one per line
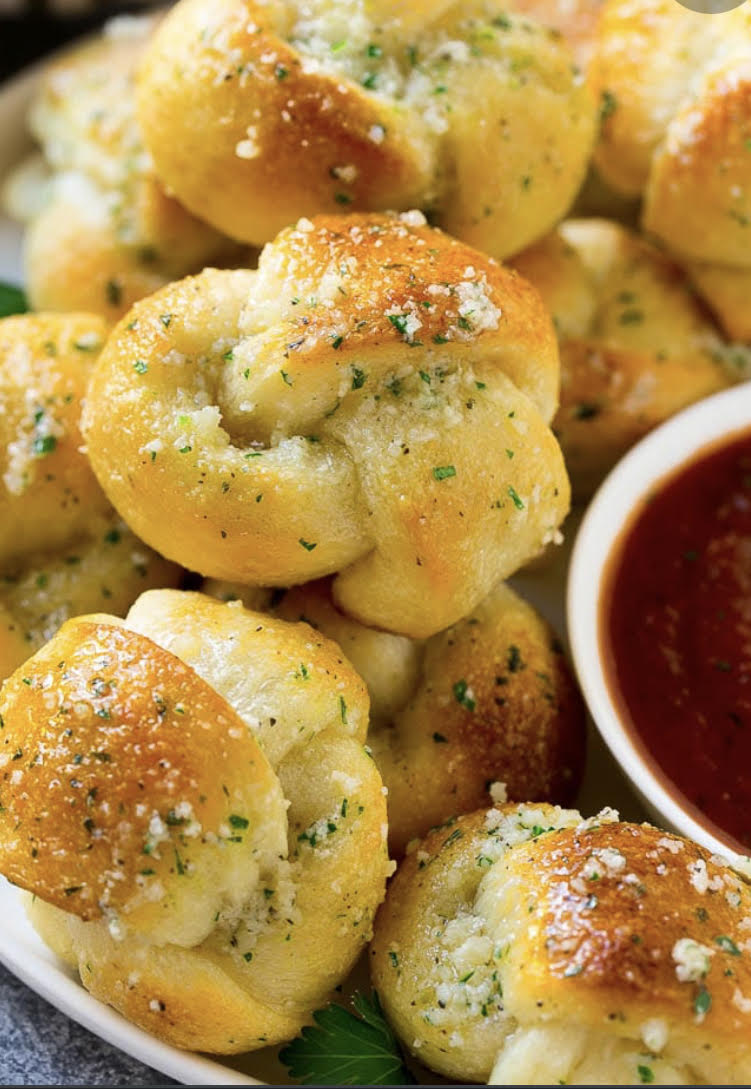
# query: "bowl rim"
[674,444]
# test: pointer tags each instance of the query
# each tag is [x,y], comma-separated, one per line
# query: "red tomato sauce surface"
[675,626]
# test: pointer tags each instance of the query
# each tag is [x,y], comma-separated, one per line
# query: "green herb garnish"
[12,300]
[344,1049]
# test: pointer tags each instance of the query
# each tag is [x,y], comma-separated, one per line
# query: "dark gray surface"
[41,1046]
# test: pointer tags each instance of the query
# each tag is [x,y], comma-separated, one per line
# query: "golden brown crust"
[49,493]
[623,931]
[101,698]
[496,704]
[63,550]
[200,824]
[726,291]
[75,261]
[102,230]
[633,124]
[250,658]
[107,567]
[676,93]
[490,700]
[311,108]
[704,165]
[618,952]
[371,401]
[313,123]
[636,346]
[577,21]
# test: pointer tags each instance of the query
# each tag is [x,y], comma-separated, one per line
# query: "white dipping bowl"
[675,444]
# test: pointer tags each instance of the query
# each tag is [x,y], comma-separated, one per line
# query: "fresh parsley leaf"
[12,300]
[702,1001]
[342,1049]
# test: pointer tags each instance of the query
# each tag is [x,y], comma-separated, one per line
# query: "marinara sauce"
[676,627]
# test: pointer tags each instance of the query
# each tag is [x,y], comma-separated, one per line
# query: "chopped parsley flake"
[608,105]
[515,498]
[728,945]
[702,1001]
[443,472]
[514,659]
[140,366]
[114,292]
[44,445]
[308,545]
[463,695]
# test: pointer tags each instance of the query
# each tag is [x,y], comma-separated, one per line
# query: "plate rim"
[50,980]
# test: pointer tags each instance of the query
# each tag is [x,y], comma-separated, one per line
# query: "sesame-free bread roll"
[372,401]
[187,796]
[636,346]
[258,113]
[676,92]
[659,66]
[63,550]
[523,945]
[102,231]
[489,704]
[575,20]
[726,290]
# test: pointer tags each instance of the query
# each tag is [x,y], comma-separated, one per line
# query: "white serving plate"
[24,954]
